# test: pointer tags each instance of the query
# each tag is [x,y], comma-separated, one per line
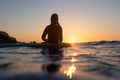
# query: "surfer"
[53,32]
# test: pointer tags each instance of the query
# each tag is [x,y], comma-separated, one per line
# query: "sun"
[73,40]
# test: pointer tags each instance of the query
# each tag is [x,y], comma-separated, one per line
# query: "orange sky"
[81,20]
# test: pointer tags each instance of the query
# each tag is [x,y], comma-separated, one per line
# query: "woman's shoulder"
[48,26]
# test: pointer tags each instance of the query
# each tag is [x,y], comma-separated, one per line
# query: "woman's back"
[53,32]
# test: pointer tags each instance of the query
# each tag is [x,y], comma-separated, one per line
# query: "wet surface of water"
[80,62]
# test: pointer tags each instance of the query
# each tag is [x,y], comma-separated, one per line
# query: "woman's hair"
[54,18]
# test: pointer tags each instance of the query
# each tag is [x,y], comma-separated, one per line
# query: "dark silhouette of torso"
[53,32]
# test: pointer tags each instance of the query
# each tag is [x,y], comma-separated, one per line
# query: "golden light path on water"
[71,69]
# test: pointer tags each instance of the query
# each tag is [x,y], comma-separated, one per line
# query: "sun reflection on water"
[70,71]
[73,59]
[74,54]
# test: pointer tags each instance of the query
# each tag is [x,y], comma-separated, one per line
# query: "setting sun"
[73,40]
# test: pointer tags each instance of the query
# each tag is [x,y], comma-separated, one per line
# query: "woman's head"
[54,18]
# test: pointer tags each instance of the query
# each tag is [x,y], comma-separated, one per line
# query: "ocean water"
[79,62]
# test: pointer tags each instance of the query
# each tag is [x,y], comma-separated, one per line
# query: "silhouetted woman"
[53,32]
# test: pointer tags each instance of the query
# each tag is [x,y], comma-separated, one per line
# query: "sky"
[81,20]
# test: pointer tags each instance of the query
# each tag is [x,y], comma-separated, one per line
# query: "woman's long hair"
[54,19]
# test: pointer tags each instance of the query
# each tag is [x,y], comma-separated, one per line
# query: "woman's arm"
[61,36]
[44,35]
